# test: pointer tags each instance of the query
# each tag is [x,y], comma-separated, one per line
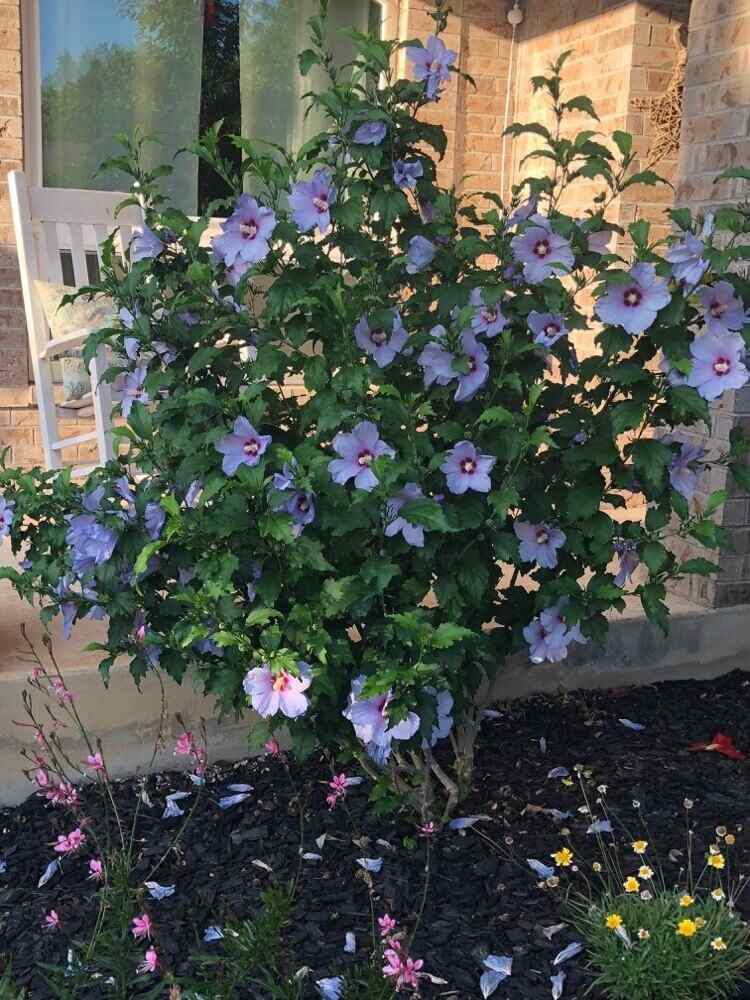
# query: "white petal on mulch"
[549,932]
[309,856]
[637,727]
[351,782]
[52,868]
[320,841]
[3,866]
[559,772]
[172,809]
[240,788]
[573,949]
[600,826]
[466,822]
[539,868]
[233,800]
[435,980]
[558,815]
[558,985]
[500,963]
[499,969]
[213,933]
[330,989]
[543,744]
[157,891]
[491,713]
[145,799]
[623,935]
[197,779]
[350,943]
[385,844]
[370,864]
[261,864]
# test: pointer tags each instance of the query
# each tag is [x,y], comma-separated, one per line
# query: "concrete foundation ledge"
[702,643]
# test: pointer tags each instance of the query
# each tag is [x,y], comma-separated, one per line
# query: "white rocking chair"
[58,235]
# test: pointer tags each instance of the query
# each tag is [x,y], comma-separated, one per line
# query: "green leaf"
[639,232]
[651,459]
[627,416]
[428,513]
[261,616]
[734,174]
[448,634]
[497,416]
[582,103]
[654,555]
[623,141]
[647,177]
[699,566]
[141,563]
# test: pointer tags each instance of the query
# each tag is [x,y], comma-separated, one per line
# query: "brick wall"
[13,354]
[716,135]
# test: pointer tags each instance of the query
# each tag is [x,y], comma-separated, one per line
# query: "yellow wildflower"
[613,921]
[719,944]
[631,884]
[718,894]
[687,900]
[645,872]
[717,861]
[563,857]
[639,846]
[686,928]
[700,922]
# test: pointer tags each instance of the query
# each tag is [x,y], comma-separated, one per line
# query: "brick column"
[716,135]
[13,344]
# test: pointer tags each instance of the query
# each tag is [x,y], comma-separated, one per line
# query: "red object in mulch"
[210,13]
[723,744]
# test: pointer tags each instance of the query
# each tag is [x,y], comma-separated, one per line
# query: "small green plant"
[8,988]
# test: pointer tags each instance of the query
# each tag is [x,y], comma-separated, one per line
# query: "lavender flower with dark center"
[718,364]
[687,263]
[488,320]
[539,543]
[394,523]
[546,642]
[6,516]
[154,518]
[133,391]
[542,251]
[627,552]
[245,234]
[92,500]
[380,343]
[723,311]
[358,451]
[370,717]
[145,245]
[300,504]
[406,173]
[523,212]
[370,133]
[686,468]
[598,242]
[91,543]
[475,355]
[167,354]
[634,305]
[547,328]
[420,254]
[465,469]
[244,446]
[311,202]
[436,361]
[432,65]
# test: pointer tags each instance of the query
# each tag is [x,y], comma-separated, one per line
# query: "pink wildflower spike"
[60,691]
[96,868]
[185,745]
[52,920]
[339,784]
[141,927]
[427,830]
[94,761]
[41,777]
[63,794]
[71,842]
[387,925]
[150,961]
[272,746]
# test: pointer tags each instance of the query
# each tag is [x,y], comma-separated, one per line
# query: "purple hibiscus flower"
[154,518]
[523,212]
[91,543]
[167,354]
[193,494]
[634,305]
[547,327]
[627,553]
[381,344]
[270,693]
[598,242]
[145,245]
[687,263]
[674,375]
[683,474]
[311,202]
[465,469]
[406,173]
[69,604]
[92,500]
[546,641]
[370,717]
[132,390]
[443,716]
[300,504]
[436,361]
[413,533]
[542,251]
[127,318]
[539,543]
[554,616]
[358,451]
[371,133]
[718,364]
[420,254]
[235,273]
[6,516]
[432,65]
[488,320]
[245,234]
[475,354]
[132,348]
[244,446]
[208,646]
[723,311]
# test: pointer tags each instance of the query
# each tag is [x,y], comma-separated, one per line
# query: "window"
[171,68]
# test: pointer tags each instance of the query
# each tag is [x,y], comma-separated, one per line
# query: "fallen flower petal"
[158,892]
[559,772]
[212,933]
[539,868]
[52,920]
[499,963]
[558,984]
[600,826]
[52,868]
[233,800]
[350,943]
[465,822]
[573,949]
[489,982]
[370,864]
[330,989]
[637,727]
[240,788]
[549,932]
[723,744]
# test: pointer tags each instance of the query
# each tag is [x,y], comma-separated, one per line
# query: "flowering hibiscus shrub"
[363,463]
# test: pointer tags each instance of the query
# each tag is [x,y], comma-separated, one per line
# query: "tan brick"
[10,62]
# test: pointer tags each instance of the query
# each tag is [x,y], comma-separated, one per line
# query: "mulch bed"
[479,901]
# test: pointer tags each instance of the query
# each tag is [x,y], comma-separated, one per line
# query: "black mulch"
[478,902]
